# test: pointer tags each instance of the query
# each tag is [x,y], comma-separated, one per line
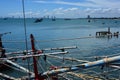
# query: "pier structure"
[107,33]
[103,33]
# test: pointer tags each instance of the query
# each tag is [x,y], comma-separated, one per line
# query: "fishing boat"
[5,18]
[56,72]
[54,64]
[38,20]
[67,19]
[53,18]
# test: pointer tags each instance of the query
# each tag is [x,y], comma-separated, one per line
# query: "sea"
[63,33]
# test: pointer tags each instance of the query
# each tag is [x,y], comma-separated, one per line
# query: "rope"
[100,73]
[42,59]
[103,48]
[94,72]
[67,58]
[84,76]
[50,63]
[43,69]
[12,49]
[62,39]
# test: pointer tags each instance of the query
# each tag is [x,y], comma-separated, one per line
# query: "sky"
[60,8]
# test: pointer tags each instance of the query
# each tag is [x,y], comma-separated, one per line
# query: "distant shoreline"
[63,18]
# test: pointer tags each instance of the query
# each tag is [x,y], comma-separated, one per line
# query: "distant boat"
[67,19]
[38,20]
[89,20]
[103,23]
[5,18]
[54,18]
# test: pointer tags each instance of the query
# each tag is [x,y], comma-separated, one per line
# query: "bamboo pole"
[82,66]
[6,77]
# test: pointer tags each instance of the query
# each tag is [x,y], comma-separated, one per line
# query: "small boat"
[5,18]
[38,20]
[67,19]
[53,18]
[89,20]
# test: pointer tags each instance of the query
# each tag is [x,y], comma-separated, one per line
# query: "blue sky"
[61,8]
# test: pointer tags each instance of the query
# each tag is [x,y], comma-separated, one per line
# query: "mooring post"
[0,42]
[109,30]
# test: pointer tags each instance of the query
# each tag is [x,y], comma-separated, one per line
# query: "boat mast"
[37,77]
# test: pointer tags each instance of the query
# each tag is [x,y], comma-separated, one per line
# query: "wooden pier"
[107,33]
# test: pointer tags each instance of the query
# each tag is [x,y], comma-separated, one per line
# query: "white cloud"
[27,14]
[73,12]
[103,12]
[106,10]
[72,8]
[92,11]
[93,7]
[106,3]
[58,9]
[87,3]
[15,14]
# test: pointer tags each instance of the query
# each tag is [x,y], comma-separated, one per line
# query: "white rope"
[103,48]
[50,63]
[62,39]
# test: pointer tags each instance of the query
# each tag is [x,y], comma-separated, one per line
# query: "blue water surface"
[62,33]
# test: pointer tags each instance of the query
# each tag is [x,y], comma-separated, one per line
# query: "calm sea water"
[48,32]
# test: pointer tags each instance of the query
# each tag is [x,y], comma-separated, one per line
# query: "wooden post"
[109,30]
[1,38]
[2,50]
[0,42]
